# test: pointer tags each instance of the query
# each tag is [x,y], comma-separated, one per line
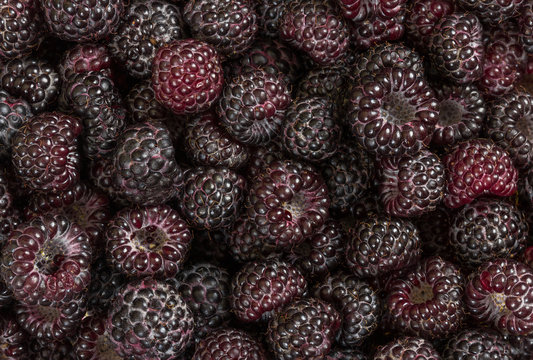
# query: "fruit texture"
[491,174]
[476,344]
[50,323]
[46,261]
[211,197]
[374,21]
[262,288]
[229,26]
[407,348]
[269,14]
[310,131]
[393,112]
[92,342]
[14,113]
[509,124]
[525,22]
[500,293]
[229,344]
[456,48]
[347,174]
[316,28]
[21,29]
[493,12]
[142,105]
[322,252]
[462,111]
[81,20]
[106,282]
[148,241]
[358,304]
[487,229]
[187,76]
[150,320]
[412,184]
[435,288]
[147,26]
[205,288]
[253,105]
[14,340]
[421,18]
[46,157]
[505,61]
[88,207]
[378,245]
[287,203]
[304,329]
[207,143]
[145,169]
[34,80]
[84,58]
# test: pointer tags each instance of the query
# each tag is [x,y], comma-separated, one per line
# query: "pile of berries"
[266,180]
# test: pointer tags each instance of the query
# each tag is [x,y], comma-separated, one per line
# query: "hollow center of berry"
[396,109]
[149,238]
[525,125]
[295,207]
[49,258]
[421,294]
[498,299]
[48,313]
[105,349]
[450,112]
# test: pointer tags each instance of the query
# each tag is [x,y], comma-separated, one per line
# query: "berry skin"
[146,26]
[500,293]
[148,241]
[229,344]
[145,168]
[346,354]
[207,143]
[229,26]
[487,229]
[92,342]
[81,20]
[462,111]
[269,14]
[14,113]
[422,16]
[505,61]
[45,155]
[13,339]
[378,245]
[253,105]
[411,185]
[347,174]
[393,112]
[321,253]
[356,301]
[510,125]
[105,284]
[46,261]
[205,288]
[374,22]
[84,58]
[435,288]
[310,131]
[305,329]
[34,80]
[150,320]
[456,48]
[262,288]
[492,12]
[187,76]
[87,207]
[407,348]
[142,105]
[287,203]
[477,344]
[316,28]
[525,23]
[491,174]
[21,29]
[211,197]
[245,242]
